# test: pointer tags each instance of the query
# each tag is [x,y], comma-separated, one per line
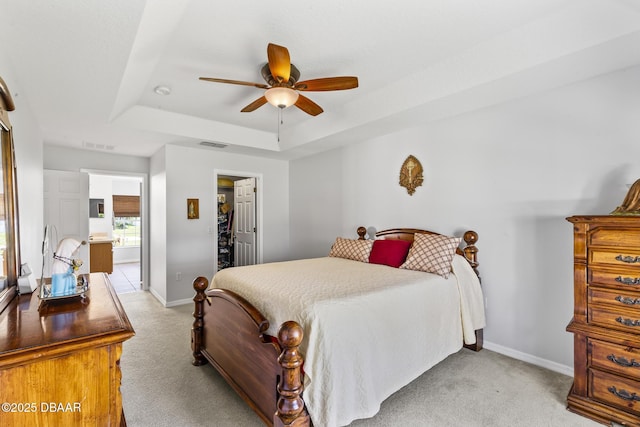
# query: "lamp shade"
[281,97]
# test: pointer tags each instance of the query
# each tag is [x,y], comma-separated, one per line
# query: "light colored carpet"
[161,387]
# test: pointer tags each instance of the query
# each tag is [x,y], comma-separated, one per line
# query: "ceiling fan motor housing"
[294,76]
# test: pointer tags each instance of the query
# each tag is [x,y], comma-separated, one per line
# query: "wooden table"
[60,362]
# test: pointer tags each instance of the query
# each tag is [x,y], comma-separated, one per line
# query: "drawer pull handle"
[624,394]
[628,280]
[628,300]
[628,322]
[623,362]
[628,259]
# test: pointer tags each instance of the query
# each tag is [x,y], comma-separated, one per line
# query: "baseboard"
[168,304]
[179,302]
[158,297]
[525,357]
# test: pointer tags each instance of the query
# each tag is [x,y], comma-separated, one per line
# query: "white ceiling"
[88,68]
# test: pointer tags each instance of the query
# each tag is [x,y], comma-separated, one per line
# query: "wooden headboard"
[470,251]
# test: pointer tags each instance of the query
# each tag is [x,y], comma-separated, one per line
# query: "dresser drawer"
[614,390]
[627,278]
[617,237]
[613,357]
[614,298]
[622,258]
[621,319]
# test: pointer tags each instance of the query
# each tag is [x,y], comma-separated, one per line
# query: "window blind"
[126,206]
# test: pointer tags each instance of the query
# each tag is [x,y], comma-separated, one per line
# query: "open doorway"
[238,235]
[117,234]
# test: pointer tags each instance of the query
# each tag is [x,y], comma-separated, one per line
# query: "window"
[126,231]
[126,221]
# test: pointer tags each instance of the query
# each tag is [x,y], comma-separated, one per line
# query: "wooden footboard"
[266,373]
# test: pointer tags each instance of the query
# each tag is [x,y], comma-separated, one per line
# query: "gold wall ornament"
[631,203]
[411,174]
[193,209]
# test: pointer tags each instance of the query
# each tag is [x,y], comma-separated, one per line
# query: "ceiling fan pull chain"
[279,122]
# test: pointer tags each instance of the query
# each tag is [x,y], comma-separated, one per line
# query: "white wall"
[28,154]
[190,247]
[72,159]
[512,173]
[316,193]
[100,188]
[158,225]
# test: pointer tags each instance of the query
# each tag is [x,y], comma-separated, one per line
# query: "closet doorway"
[238,234]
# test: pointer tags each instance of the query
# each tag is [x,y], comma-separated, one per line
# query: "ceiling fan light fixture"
[281,97]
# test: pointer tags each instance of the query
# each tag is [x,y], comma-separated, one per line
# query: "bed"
[366,328]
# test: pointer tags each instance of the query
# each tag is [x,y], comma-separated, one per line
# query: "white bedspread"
[369,329]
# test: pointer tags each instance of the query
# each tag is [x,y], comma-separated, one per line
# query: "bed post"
[200,284]
[471,253]
[361,233]
[290,409]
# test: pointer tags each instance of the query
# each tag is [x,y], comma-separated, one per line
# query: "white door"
[66,210]
[245,222]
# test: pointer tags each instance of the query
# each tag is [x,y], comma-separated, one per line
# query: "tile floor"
[126,277]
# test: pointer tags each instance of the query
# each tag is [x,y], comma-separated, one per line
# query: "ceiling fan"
[283,87]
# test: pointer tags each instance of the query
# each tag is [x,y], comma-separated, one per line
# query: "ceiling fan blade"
[255,105]
[279,62]
[308,106]
[235,82]
[328,83]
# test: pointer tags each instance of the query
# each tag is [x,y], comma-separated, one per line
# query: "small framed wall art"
[411,174]
[193,211]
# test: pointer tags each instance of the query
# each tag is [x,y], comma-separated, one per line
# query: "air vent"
[213,144]
[92,146]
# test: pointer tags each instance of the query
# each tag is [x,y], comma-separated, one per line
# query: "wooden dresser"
[606,319]
[60,363]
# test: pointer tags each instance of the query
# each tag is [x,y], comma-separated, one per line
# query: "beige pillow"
[357,250]
[432,253]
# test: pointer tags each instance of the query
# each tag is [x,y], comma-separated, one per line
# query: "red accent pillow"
[390,252]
